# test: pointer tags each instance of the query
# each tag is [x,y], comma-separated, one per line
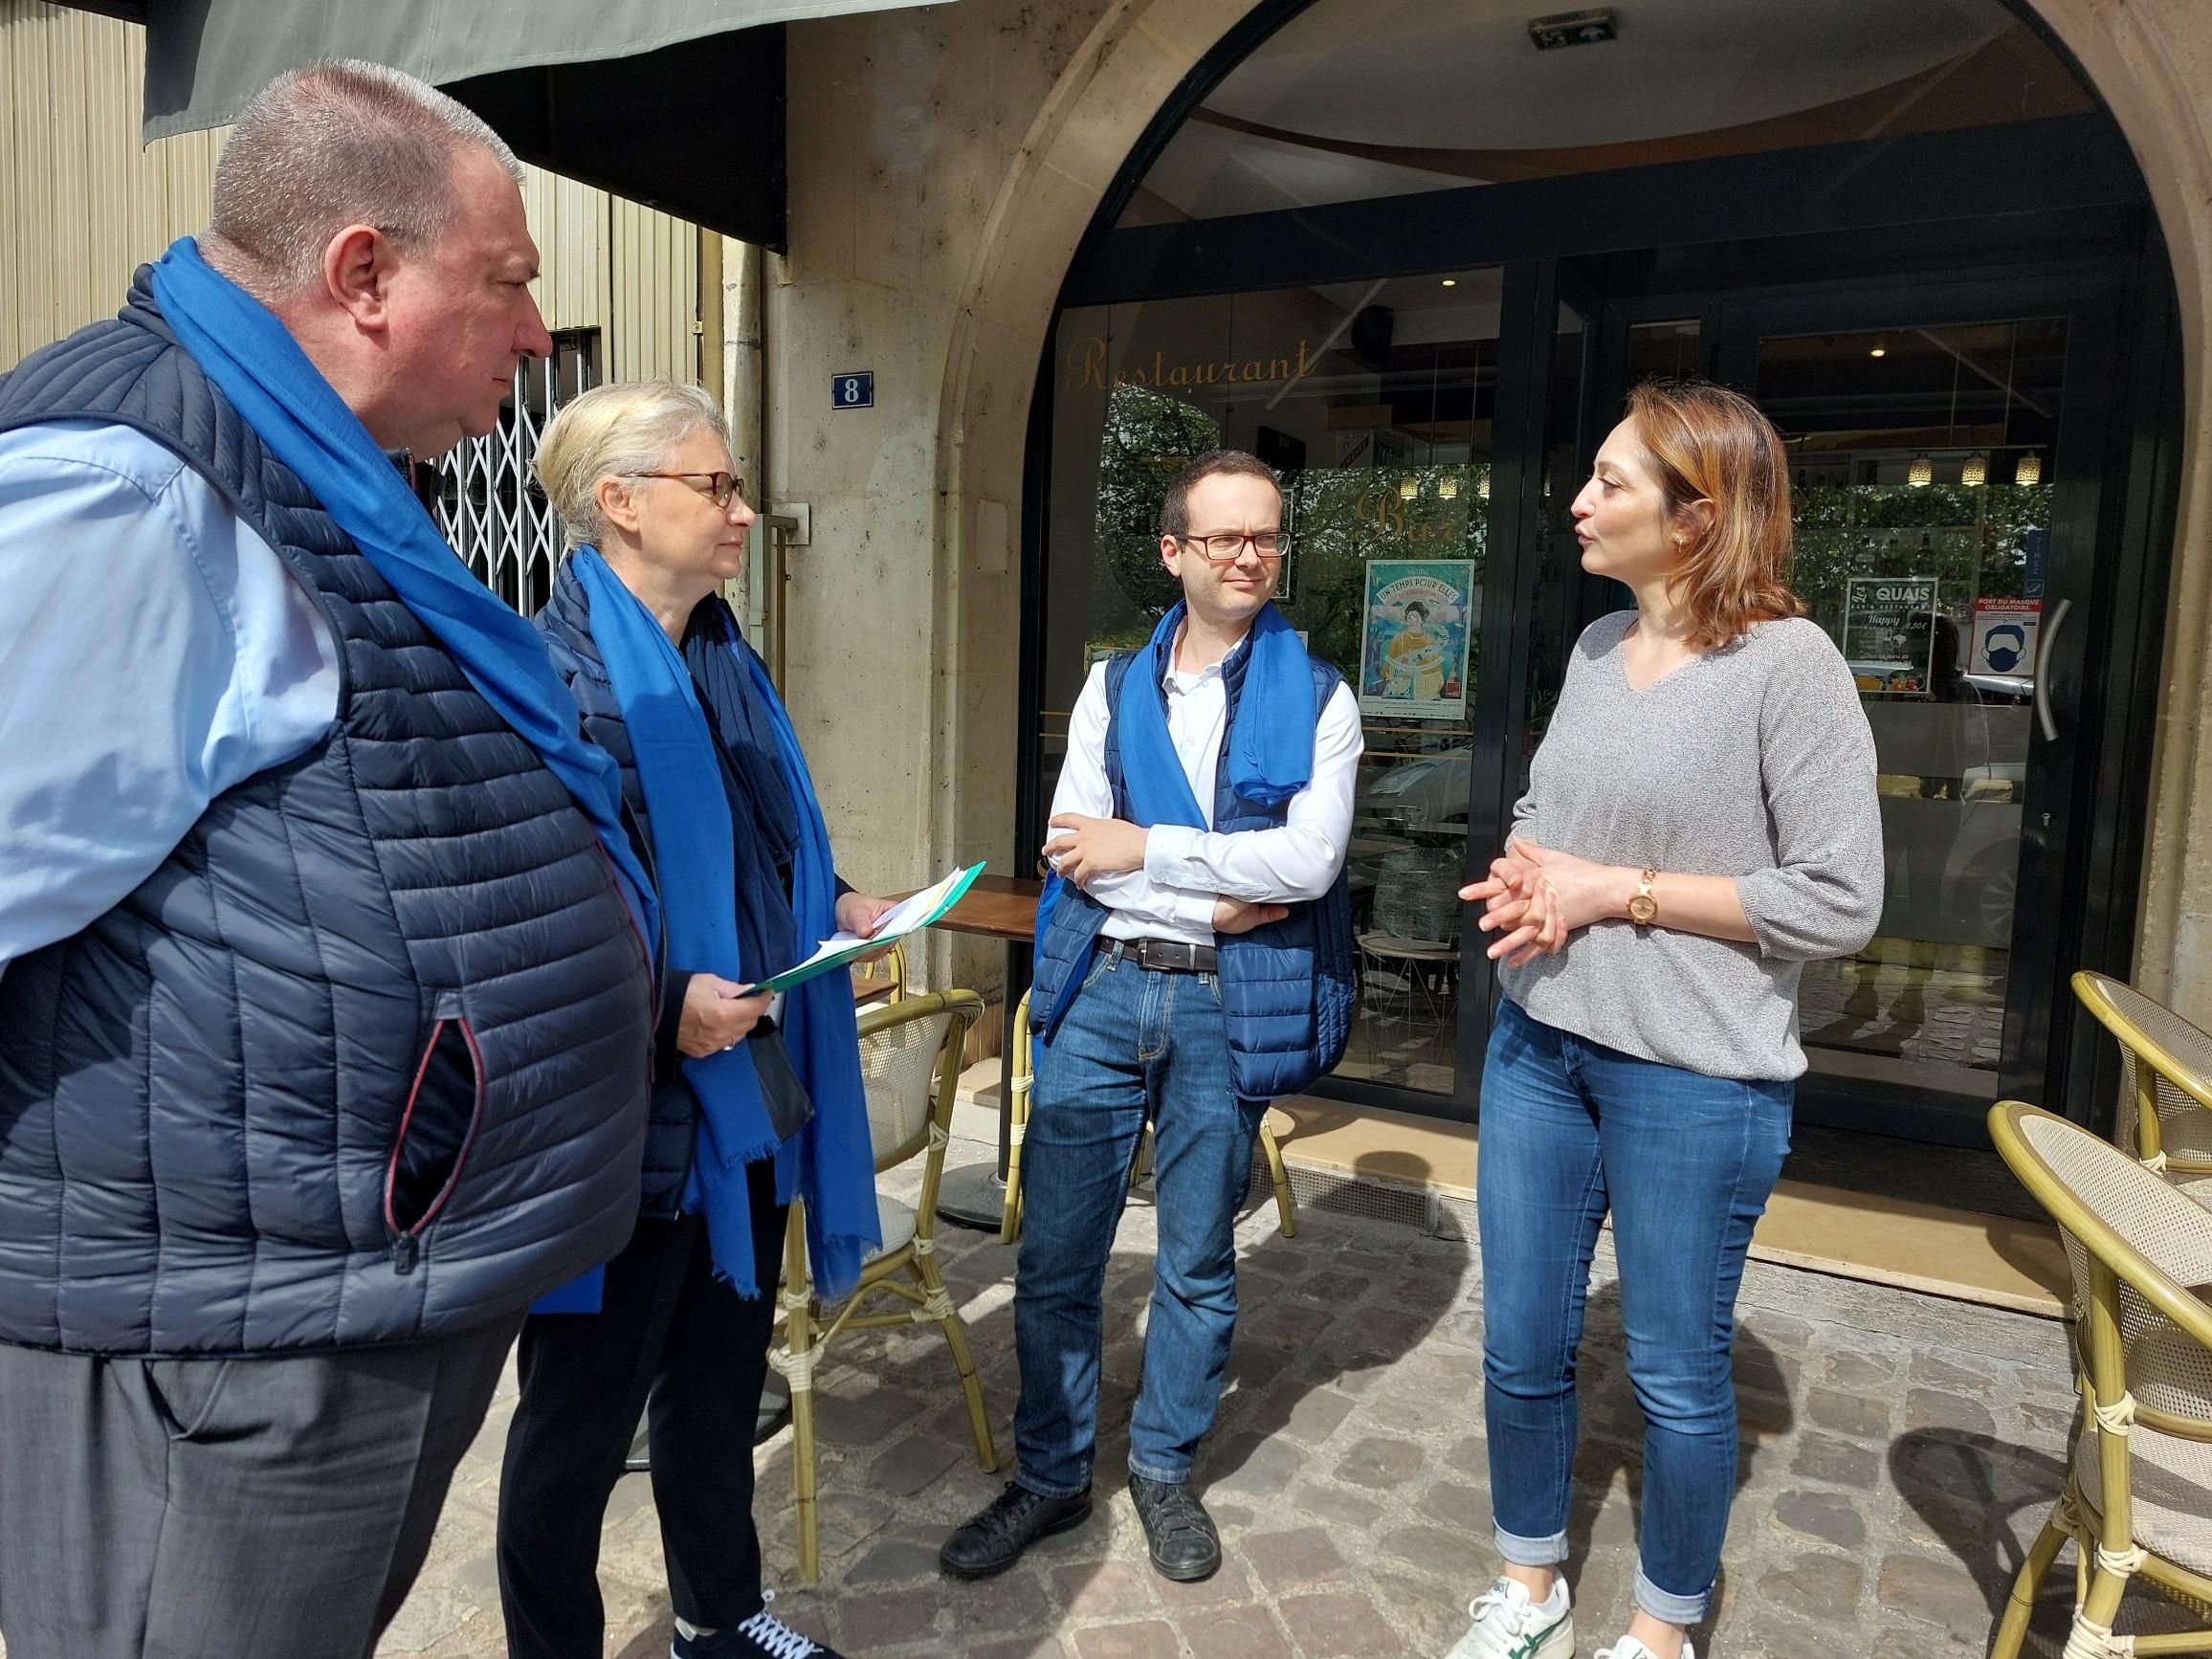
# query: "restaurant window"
[1373,403]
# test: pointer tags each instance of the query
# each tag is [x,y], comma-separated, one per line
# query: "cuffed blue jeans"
[1685,1162]
[1134,1043]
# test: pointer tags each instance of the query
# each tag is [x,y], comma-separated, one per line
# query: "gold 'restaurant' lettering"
[1085,368]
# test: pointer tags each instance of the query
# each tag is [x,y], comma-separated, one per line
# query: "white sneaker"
[1628,1648]
[1507,1624]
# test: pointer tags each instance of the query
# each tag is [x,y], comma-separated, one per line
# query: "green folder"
[910,915]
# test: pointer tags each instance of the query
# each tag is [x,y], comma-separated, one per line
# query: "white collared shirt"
[1186,870]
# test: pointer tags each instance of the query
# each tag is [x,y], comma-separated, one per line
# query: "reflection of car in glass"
[2002,688]
[1982,870]
[1421,793]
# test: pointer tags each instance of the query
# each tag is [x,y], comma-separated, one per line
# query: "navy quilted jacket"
[365,1060]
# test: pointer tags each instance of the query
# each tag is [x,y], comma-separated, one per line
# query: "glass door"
[1946,445]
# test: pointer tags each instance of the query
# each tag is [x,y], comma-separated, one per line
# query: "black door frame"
[1889,210]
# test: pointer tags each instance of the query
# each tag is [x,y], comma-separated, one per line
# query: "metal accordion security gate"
[487,500]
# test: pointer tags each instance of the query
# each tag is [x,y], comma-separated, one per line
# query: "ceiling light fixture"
[1974,471]
[1921,472]
[2029,470]
[1587,26]
[1482,481]
[1880,350]
[1408,488]
[1447,487]
[1451,281]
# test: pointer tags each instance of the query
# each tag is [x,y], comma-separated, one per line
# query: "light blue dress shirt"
[154,651]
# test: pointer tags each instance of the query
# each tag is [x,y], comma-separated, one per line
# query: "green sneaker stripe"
[1532,1643]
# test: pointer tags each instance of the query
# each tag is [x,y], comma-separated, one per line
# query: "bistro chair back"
[2166,1067]
[2137,1502]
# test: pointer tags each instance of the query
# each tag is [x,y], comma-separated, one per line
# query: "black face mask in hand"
[785,1098]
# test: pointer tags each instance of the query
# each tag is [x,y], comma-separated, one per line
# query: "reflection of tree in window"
[1148,438]
[1971,541]
[1339,519]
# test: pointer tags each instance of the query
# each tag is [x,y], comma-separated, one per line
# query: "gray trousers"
[227,1509]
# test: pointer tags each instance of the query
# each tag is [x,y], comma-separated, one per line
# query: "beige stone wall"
[943,165]
[83,203]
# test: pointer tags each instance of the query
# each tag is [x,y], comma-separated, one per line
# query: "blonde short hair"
[616,432]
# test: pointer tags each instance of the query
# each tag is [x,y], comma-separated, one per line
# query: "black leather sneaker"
[1185,1546]
[994,1541]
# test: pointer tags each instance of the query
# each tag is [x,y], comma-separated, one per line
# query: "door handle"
[2043,671]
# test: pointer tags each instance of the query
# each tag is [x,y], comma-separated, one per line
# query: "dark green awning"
[678,104]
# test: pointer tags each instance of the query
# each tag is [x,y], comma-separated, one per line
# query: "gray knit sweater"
[1754,761]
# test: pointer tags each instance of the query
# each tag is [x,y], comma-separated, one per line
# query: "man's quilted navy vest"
[1287,988]
[365,1060]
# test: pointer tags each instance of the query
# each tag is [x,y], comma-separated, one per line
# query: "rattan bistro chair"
[910,1062]
[880,980]
[2137,1502]
[2166,1067]
[1019,1084]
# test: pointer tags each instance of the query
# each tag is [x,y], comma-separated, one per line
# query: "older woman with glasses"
[756,1099]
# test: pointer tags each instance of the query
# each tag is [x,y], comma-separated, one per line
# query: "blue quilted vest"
[365,1060]
[1287,988]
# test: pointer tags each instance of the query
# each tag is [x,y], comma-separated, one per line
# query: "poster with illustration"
[1413,647]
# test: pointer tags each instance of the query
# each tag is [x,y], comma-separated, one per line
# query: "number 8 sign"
[854,390]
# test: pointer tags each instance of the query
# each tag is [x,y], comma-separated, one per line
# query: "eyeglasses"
[1227,546]
[720,487]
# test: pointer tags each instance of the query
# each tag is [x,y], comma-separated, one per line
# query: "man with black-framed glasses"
[1194,962]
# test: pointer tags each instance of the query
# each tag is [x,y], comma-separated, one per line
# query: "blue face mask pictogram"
[2003,647]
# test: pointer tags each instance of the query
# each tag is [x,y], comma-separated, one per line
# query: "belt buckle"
[1169,955]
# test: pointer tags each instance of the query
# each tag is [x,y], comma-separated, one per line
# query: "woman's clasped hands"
[1535,898]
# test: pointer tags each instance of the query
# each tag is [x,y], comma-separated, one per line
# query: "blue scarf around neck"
[1269,753]
[831,1163]
[298,416]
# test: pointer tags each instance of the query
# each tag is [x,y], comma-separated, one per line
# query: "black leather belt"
[1166,955]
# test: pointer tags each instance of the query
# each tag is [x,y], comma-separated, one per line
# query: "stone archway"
[2151,68]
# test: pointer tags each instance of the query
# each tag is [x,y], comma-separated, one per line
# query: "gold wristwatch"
[1643,908]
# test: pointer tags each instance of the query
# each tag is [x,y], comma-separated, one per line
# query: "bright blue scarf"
[1270,742]
[830,1163]
[303,421]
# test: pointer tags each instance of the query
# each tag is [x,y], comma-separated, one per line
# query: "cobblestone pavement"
[1898,1454]
[1899,1451]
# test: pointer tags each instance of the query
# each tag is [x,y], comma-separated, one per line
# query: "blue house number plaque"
[853,391]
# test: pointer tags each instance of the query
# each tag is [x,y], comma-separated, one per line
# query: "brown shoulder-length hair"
[1706,443]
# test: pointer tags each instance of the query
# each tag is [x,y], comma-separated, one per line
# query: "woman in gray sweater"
[1700,822]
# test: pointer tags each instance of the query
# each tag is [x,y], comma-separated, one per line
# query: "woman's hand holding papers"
[858,914]
[716,1016]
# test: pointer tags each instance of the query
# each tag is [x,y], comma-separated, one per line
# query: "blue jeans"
[1133,1044]
[1571,1128]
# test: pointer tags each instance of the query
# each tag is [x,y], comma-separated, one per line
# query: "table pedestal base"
[973,1197]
